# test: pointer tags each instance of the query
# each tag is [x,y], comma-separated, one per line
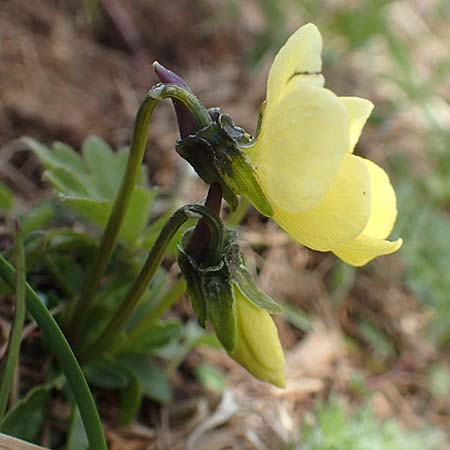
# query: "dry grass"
[66,80]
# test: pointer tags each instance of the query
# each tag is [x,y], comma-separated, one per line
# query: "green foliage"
[76,437]
[26,418]
[6,198]
[138,360]
[425,252]
[210,378]
[87,183]
[335,429]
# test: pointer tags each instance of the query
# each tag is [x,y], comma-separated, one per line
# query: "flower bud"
[258,347]
[225,295]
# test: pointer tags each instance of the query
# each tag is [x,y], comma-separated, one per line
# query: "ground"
[74,69]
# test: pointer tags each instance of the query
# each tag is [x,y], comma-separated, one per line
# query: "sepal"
[216,154]
[216,291]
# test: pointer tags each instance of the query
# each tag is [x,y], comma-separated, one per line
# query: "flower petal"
[258,347]
[301,55]
[371,243]
[300,147]
[384,203]
[364,248]
[359,110]
[342,214]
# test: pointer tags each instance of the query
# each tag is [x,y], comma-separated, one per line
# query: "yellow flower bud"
[258,347]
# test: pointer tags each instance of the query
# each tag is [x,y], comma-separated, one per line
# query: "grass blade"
[12,353]
[66,358]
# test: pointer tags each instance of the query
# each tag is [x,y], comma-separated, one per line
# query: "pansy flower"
[322,194]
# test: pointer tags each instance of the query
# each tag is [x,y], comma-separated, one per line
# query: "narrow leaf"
[12,354]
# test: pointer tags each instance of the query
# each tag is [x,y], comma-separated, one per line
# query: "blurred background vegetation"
[368,349]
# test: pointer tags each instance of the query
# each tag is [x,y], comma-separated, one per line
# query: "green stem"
[12,353]
[135,158]
[66,357]
[152,263]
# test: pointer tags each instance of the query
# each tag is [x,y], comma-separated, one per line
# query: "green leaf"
[68,158]
[158,335]
[88,184]
[210,378]
[130,398]
[9,363]
[96,211]
[37,217]
[334,429]
[26,418]
[106,375]
[64,180]
[76,439]
[66,271]
[6,198]
[105,168]
[35,248]
[138,214]
[153,380]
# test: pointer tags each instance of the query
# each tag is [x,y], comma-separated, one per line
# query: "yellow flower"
[324,196]
[258,347]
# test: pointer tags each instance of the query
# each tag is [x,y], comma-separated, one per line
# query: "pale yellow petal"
[258,347]
[359,110]
[365,248]
[340,217]
[300,55]
[300,148]
[371,243]
[384,203]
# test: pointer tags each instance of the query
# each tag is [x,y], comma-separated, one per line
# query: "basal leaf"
[156,336]
[76,439]
[103,164]
[130,398]
[153,380]
[67,182]
[26,418]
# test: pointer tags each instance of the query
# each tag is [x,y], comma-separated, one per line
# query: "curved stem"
[66,357]
[152,263]
[135,158]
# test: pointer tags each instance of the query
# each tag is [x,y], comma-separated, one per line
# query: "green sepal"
[211,293]
[193,286]
[200,155]
[243,280]
[212,289]
[216,154]
[219,296]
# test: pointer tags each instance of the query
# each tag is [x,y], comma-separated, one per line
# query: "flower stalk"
[150,267]
[135,158]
